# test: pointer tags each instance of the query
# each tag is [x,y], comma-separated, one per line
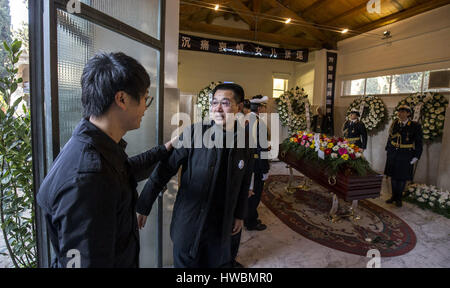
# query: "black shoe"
[236,264]
[258,221]
[390,201]
[257,227]
[398,203]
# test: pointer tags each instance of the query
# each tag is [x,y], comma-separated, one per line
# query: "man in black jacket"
[89,196]
[211,202]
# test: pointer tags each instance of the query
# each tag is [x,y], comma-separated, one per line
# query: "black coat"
[321,125]
[356,132]
[199,174]
[89,199]
[404,143]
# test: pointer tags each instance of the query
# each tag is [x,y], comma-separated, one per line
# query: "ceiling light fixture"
[344,31]
[288,21]
[217,7]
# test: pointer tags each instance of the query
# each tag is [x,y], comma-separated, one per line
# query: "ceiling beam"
[288,13]
[358,10]
[424,7]
[243,11]
[257,4]
[315,5]
[249,35]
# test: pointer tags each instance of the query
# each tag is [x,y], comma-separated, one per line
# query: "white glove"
[265,177]
[414,160]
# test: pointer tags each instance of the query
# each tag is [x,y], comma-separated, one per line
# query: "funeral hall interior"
[339,77]
[380,54]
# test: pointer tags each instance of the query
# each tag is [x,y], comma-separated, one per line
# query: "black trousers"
[398,186]
[254,200]
[212,253]
[235,243]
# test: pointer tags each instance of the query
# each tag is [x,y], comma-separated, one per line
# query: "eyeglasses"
[148,101]
[225,103]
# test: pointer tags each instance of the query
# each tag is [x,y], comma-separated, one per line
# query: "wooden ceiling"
[314,24]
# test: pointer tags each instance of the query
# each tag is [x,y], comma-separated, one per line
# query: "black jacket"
[89,199]
[199,175]
[356,132]
[321,126]
[404,143]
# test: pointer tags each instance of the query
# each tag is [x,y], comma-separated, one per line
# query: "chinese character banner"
[331,84]
[245,49]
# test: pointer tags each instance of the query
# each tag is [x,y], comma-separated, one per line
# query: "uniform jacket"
[261,166]
[353,130]
[199,174]
[404,143]
[89,199]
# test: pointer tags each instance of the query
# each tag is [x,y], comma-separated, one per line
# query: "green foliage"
[16,182]
[5,33]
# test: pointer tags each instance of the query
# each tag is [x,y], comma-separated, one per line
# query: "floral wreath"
[430,197]
[204,97]
[432,113]
[374,112]
[295,117]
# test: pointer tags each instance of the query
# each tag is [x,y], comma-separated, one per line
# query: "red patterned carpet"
[306,213]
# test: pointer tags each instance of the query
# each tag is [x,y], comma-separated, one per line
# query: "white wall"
[418,43]
[198,69]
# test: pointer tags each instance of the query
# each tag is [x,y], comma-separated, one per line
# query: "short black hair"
[238,91]
[247,104]
[104,75]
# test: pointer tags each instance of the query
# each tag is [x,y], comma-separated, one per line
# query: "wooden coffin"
[347,187]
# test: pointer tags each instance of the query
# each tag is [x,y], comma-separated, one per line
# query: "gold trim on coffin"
[333,215]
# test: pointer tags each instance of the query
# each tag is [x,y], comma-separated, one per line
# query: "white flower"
[431,204]
[358,155]
[420,199]
[334,155]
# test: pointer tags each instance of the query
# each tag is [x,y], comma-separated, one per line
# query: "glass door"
[71,36]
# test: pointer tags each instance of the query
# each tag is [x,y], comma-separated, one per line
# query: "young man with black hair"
[89,196]
[212,199]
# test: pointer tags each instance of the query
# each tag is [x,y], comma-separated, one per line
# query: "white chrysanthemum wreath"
[432,113]
[204,97]
[373,114]
[293,107]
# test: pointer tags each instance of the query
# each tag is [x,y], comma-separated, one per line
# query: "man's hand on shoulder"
[141,219]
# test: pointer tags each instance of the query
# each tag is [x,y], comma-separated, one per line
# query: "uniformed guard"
[355,131]
[261,166]
[404,148]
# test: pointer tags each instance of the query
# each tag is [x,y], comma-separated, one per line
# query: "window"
[279,87]
[378,85]
[407,83]
[354,87]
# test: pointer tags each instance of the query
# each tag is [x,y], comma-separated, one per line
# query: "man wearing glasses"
[211,202]
[89,196]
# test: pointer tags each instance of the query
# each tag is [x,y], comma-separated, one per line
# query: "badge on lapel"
[241,164]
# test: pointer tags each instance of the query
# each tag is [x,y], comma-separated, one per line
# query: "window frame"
[286,86]
[343,82]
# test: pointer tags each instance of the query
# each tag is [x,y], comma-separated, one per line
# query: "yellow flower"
[330,145]
[309,135]
[345,157]
[312,146]
[292,139]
